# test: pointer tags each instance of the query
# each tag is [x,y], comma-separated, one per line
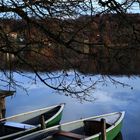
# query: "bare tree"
[60,35]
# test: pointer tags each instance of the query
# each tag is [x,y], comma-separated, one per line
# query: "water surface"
[106,99]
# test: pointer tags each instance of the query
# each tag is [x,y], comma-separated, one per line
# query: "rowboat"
[25,123]
[83,129]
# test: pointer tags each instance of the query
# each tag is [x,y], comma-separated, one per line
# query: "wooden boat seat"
[18,125]
[92,127]
[70,135]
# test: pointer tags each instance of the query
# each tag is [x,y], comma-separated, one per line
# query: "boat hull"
[54,121]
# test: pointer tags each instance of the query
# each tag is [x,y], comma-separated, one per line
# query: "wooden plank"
[3,95]
[6,93]
[43,126]
[70,135]
[22,126]
[92,127]
[103,131]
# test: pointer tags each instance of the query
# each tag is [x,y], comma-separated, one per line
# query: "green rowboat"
[25,123]
[83,129]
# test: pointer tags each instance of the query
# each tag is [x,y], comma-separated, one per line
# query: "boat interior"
[9,127]
[36,119]
[89,128]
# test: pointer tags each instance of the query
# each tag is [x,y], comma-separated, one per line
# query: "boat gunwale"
[30,112]
[94,117]
[56,114]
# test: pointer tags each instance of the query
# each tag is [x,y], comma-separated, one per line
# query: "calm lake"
[106,99]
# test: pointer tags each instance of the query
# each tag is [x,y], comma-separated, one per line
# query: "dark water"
[107,99]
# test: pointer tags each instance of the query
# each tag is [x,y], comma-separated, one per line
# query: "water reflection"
[119,137]
[106,99]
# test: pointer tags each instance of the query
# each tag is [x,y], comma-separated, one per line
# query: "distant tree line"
[102,29]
